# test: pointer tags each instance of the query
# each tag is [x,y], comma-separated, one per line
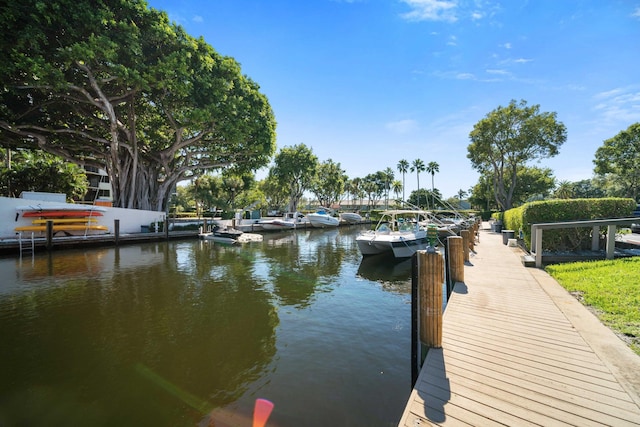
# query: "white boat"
[276,224]
[230,236]
[351,217]
[322,219]
[289,220]
[399,232]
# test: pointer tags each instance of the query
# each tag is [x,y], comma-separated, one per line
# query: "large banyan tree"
[114,84]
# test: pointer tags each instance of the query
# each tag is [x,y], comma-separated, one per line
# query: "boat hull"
[231,237]
[351,217]
[218,239]
[277,225]
[401,245]
[367,245]
[406,248]
[322,220]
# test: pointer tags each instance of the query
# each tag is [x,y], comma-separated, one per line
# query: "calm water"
[178,333]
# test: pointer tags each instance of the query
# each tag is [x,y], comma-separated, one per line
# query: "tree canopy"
[294,170]
[34,170]
[115,85]
[329,182]
[531,183]
[619,159]
[509,137]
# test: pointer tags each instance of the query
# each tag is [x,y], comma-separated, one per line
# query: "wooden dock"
[518,350]
[11,247]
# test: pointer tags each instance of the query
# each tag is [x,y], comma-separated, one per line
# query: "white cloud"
[431,10]
[498,72]
[507,45]
[450,10]
[402,126]
[636,13]
[198,18]
[619,106]
[465,76]
[609,94]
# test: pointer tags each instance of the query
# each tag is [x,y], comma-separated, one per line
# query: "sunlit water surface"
[190,333]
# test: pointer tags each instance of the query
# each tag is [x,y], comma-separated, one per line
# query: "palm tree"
[403,167]
[461,195]
[564,190]
[418,166]
[432,168]
[388,180]
[397,187]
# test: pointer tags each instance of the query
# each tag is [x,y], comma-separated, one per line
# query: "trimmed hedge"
[521,219]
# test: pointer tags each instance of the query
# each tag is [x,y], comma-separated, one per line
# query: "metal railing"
[611,224]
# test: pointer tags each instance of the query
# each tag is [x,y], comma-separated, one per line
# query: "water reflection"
[162,333]
[385,268]
[210,332]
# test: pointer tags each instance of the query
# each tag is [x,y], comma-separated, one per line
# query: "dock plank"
[513,353]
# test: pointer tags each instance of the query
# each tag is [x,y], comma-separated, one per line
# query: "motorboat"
[229,235]
[400,232]
[276,224]
[289,220]
[322,219]
[351,217]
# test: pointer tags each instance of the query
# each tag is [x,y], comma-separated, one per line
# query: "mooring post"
[415,340]
[465,244]
[116,230]
[430,280]
[49,232]
[456,259]
[447,269]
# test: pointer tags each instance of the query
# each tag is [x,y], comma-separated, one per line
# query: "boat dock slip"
[519,350]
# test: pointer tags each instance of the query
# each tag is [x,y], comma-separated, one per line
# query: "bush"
[523,217]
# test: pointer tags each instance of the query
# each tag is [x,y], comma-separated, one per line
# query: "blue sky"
[367,83]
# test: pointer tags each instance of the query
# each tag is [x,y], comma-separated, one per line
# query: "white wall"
[130,219]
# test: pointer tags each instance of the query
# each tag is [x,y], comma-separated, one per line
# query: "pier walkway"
[518,350]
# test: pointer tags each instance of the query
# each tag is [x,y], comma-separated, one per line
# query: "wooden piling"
[416,361]
[116,231]
[430,280]
[456,259]
[447,269]
[465,244]
[49,234]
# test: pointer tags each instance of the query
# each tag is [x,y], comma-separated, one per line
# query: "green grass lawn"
[610,288]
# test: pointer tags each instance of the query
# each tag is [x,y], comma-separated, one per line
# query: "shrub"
[523,217]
